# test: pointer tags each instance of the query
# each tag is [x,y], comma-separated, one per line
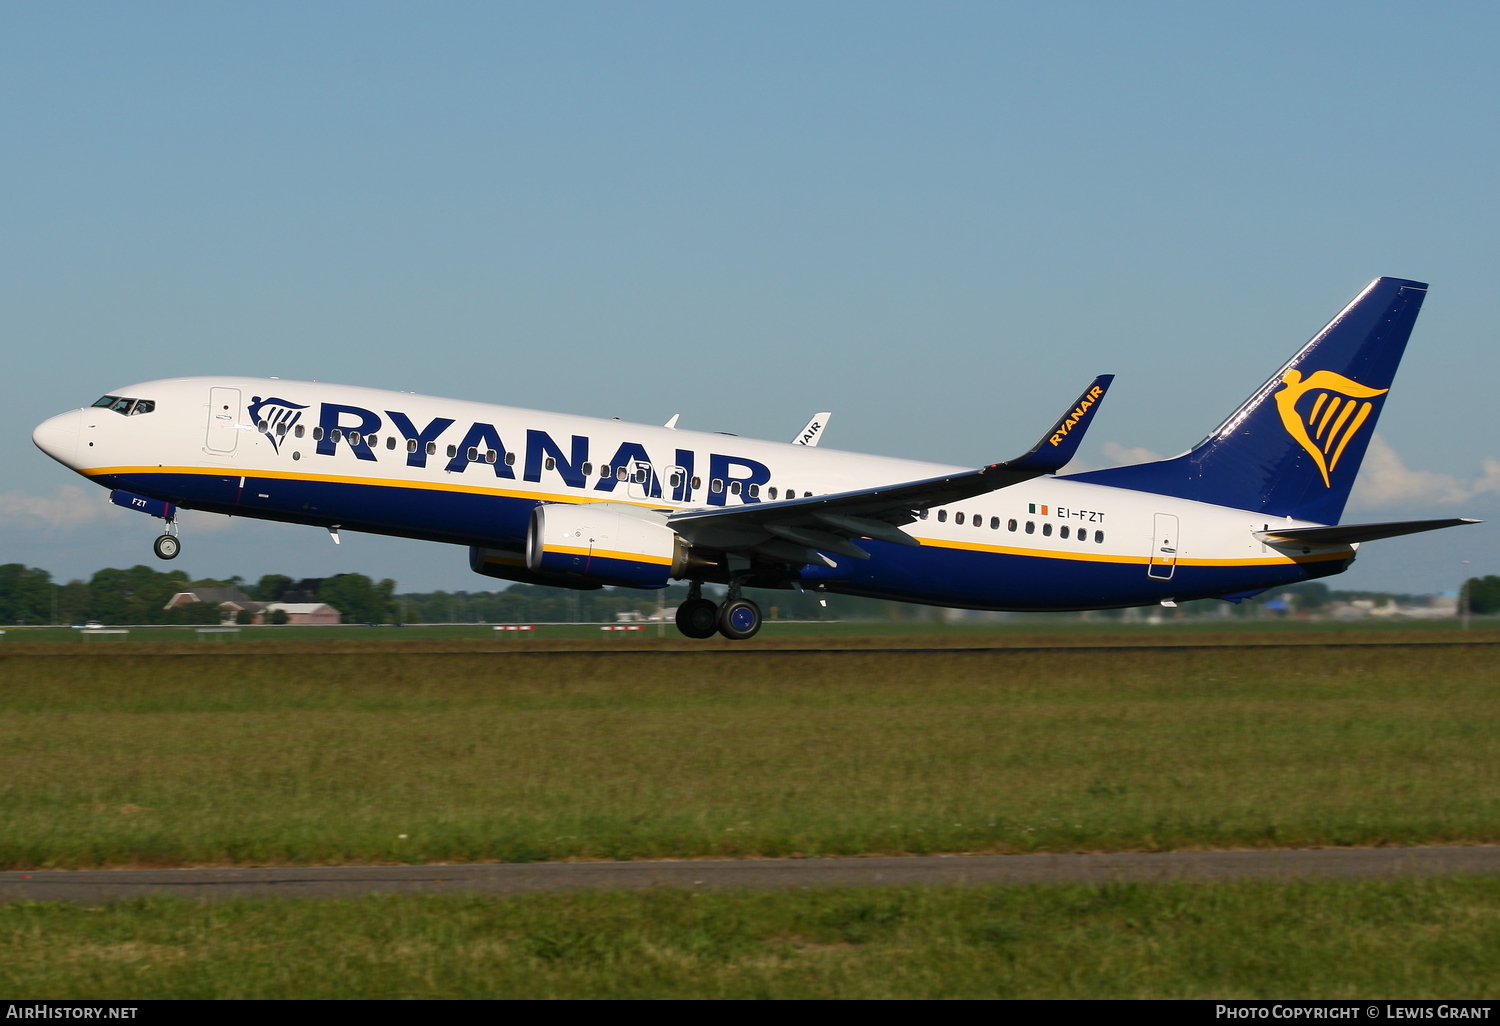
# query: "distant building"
[300,612]
[230,601]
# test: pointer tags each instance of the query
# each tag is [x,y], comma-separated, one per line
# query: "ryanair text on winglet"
[1089,399]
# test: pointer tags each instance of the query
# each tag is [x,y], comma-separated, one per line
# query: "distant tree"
[1484,594]
[278,616]
[271,587]
[75,602]
[244,617]
[137,595]
[25,594]
[358,598]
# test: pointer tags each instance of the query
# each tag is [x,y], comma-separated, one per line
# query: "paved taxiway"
[90,886]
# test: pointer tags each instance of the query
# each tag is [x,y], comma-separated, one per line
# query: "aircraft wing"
[796,530]
[1349,534]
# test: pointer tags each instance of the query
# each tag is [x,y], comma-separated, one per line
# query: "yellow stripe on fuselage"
[508,493]
[378,482]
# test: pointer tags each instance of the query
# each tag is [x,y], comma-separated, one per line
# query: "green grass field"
[1366,940]
[1055,626]
[130,756]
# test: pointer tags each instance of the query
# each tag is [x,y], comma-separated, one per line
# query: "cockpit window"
[124,406]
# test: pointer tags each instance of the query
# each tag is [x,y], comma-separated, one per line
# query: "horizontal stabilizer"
[1350,534]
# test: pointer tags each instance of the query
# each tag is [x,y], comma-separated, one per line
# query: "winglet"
[1059,445]
[814,430]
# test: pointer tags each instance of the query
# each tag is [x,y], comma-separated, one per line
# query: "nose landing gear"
[168,545]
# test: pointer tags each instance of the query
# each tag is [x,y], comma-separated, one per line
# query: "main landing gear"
[168,545]
[737,619]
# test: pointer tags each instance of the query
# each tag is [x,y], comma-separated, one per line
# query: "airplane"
[578,502]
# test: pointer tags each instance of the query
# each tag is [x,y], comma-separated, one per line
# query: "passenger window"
[994,523]
[1010,525]
[716,486]
[942,516]
[431,448]
[472,453]
[771,491]
[301,430]
[923,514]
[411,445]
[621,474]
[262,426]
[640,477]
[754,491]
[1083,534]
[734,488]
[336,435]
[958,518]
[604,471]
[978,520]
[452,451]
[1031,527]
[317,434]
[549,463]
[280,430]
[1099,537]
[675,481]
[353,438]
[1064,532]
[1046,530]
[588,470]
[510,459]
[390,441]
[697,483]
[373,441]
[491,456]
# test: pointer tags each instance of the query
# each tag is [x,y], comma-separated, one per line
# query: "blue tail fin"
[1294,447]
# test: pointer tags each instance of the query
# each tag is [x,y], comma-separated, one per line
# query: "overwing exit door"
[1164,546]
[223,419]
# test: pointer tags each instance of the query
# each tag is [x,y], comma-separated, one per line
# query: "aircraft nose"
[58,436]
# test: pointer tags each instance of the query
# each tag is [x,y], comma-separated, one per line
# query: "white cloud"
[69,506]
[1384,480]
[1125,456]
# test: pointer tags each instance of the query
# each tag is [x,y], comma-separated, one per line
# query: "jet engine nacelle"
[600,542]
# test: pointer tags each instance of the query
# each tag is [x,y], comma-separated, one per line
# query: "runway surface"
[92,886]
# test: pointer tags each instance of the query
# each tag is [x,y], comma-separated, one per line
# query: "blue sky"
[936,220]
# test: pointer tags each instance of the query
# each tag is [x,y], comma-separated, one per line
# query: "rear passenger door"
[1164,546]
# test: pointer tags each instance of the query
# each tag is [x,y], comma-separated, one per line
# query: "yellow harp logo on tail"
[1325,426]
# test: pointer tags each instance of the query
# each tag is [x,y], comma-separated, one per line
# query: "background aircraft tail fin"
[1293,448]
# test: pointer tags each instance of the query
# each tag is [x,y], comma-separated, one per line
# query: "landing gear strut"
[737,619]
[168,545]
